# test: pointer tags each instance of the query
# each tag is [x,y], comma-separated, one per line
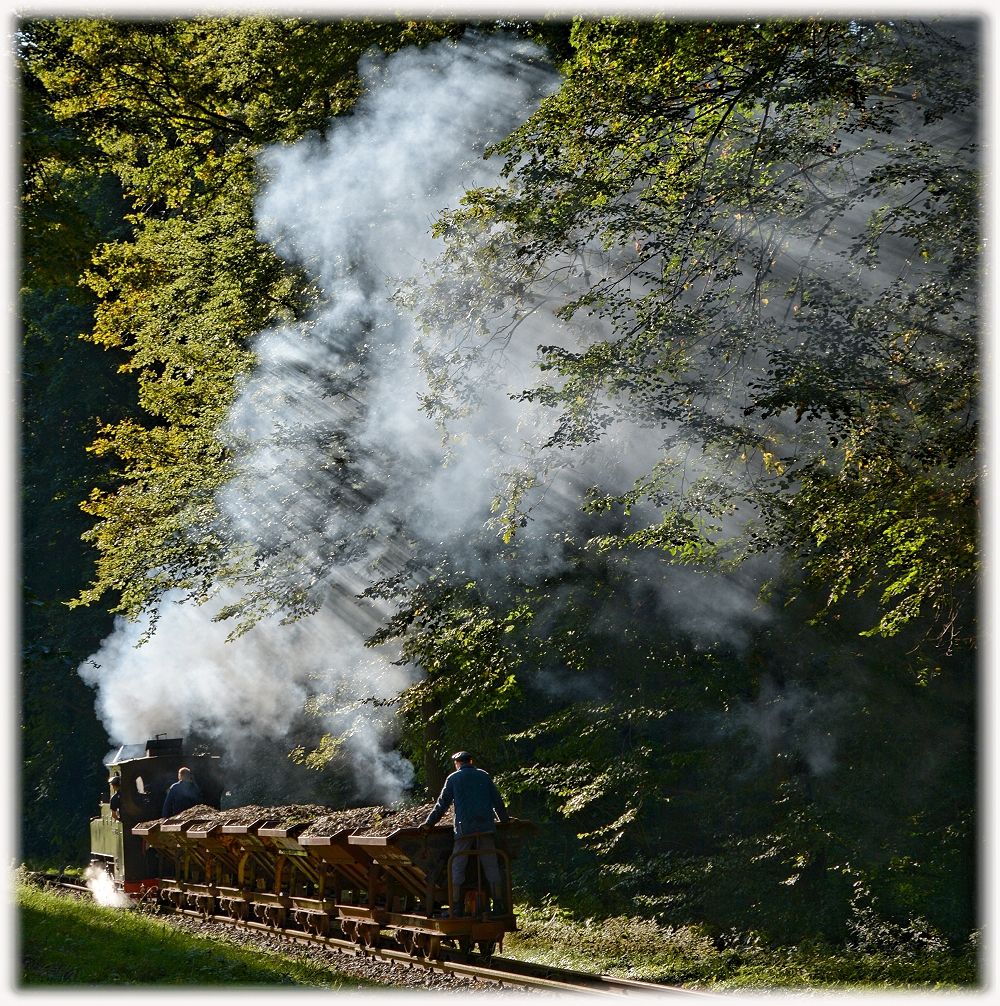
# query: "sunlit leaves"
[176,111]
[759,250]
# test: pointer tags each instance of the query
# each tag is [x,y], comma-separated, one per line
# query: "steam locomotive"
[370,875]
[146,772]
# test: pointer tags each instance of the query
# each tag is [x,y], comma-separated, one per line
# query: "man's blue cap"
[461,756]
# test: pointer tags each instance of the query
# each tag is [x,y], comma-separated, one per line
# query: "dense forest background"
[813,408]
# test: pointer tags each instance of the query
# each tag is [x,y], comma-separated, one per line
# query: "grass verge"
[633,948]
[70,941]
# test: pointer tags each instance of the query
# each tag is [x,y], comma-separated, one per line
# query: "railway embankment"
[68,940]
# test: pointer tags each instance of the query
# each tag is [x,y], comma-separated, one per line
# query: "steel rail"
[500,970]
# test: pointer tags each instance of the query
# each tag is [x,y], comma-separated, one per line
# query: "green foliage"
[788,789]
[766,238]
[686,955]
[177,111]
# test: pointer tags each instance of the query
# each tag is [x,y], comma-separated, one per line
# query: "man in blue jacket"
[476,798]
[183,794]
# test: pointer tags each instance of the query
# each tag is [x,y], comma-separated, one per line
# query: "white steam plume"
[102,888]
[356,210]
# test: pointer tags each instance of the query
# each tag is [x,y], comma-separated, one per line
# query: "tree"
[177,111]
[766,238]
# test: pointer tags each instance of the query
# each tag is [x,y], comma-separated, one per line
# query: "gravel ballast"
[368,968]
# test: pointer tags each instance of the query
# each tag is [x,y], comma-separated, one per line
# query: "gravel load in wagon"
[373,820]
[323,820]
[282,817]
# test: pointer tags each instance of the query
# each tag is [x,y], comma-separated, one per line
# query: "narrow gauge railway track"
[500,970]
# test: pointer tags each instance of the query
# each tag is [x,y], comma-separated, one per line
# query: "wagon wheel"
[404,937]
[465,944]
[434,948]
[321,924]
[486,948]
[371,934]
[350,928]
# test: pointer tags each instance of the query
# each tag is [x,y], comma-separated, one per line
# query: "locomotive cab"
[146,773]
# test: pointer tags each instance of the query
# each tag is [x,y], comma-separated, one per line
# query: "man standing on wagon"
[476,798]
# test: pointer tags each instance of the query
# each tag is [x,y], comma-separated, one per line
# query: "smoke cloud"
[354,209]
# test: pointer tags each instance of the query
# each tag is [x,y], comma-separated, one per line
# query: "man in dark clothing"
[115,803]
[476,798]
[183,794]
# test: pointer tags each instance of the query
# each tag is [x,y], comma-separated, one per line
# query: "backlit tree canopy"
[764,240]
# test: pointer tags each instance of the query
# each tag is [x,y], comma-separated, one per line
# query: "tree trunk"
[433,771]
